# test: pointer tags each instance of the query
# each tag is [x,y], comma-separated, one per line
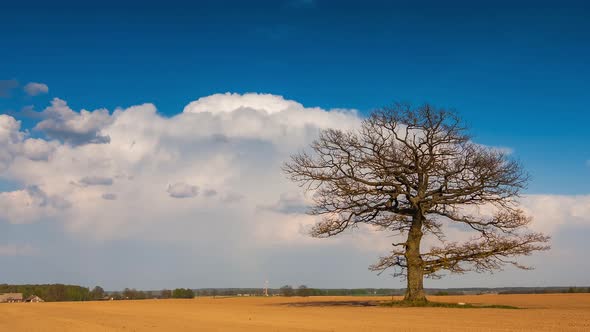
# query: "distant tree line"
[289,290]
[578,290]
[133,294]
[61,292]
[302,290]
[446,293]
[548,290]
[50,292]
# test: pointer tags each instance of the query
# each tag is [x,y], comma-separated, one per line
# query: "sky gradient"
[517,73]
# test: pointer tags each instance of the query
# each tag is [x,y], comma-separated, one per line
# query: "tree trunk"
[415,278]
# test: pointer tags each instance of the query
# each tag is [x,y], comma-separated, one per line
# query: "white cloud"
[232,197]
[109,196]
[96,181]
[210,192]
[38,149]
[10,140]
[74,128]
[182,190]
[34,89]
[30,205]
[289,203]
[14,143]
[229,102]
[551,212]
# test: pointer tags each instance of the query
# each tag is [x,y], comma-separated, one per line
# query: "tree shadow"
[332,304]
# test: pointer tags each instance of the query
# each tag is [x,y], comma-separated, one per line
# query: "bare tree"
[413,171]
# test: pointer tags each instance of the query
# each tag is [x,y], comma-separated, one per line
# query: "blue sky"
[518,72]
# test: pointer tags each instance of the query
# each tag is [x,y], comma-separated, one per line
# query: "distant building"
[11,297]
[34,299]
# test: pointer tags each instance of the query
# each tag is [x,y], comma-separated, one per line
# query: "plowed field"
[552,312]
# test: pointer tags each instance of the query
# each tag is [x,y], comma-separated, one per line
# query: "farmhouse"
[11,297]
[34,299]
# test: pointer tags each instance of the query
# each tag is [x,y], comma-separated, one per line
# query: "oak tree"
[414,171]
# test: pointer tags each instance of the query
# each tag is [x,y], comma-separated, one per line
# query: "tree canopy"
[183,293]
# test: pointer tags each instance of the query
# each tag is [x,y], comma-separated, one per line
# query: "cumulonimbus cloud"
[222,154]
[227,150]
